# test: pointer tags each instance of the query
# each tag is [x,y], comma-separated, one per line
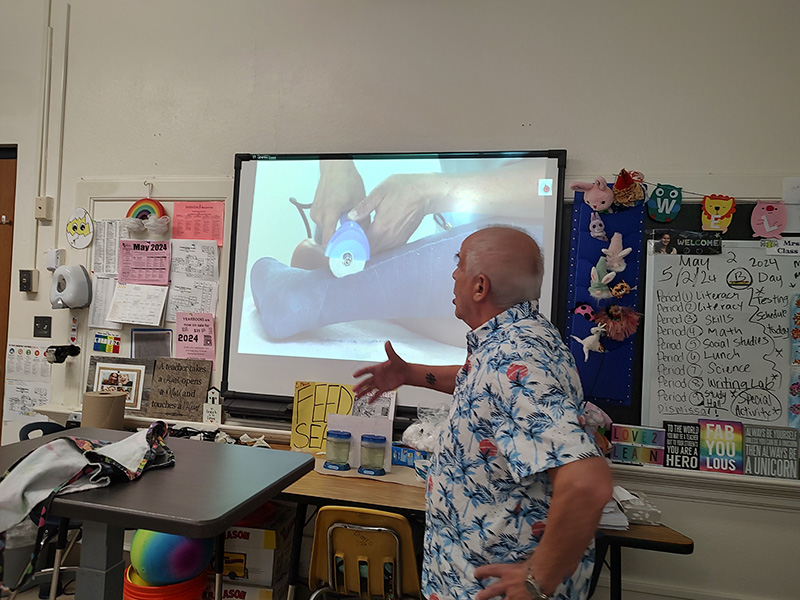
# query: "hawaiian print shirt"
[515,414]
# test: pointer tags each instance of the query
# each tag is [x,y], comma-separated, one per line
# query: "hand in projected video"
[340,188]
[383,377]
[400,203]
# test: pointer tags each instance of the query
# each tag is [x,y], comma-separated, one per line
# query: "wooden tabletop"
[650,537]
[356,490]
[384,494]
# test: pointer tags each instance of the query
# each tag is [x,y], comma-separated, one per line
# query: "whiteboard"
[717,336]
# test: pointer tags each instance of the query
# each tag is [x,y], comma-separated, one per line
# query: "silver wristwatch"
[533,587]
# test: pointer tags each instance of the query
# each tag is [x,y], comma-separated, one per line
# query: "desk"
[181,499]
[315,488]
[319,489]
[647,537]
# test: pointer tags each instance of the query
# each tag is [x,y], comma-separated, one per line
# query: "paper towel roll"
[105,410]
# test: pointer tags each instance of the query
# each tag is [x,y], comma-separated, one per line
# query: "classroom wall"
[159,91]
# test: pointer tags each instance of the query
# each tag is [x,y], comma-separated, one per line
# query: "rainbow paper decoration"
[145,208]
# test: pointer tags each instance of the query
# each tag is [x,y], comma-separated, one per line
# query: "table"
[316,488]
[646,537]
[210,487]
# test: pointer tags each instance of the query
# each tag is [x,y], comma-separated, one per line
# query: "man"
[516,487]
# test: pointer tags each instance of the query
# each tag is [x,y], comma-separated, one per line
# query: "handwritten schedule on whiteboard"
[718,336]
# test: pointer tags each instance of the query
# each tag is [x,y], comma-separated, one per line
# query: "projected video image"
[345,254]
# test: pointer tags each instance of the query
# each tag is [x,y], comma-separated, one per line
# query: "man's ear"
[481,288]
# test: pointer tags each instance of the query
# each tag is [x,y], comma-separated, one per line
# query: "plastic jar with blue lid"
[337,450]
[373,451]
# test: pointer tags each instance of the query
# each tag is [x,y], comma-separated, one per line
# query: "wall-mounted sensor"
[55,258]
[71,288]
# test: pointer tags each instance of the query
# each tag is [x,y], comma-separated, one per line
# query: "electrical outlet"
[28,280]
[42,326]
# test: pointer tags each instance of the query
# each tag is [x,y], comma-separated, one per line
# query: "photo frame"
[115,377]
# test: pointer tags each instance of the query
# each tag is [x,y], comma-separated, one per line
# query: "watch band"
[533,587]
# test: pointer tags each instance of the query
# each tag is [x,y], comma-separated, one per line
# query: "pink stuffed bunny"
[597,195]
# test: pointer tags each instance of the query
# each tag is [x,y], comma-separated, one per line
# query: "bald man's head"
[510,259]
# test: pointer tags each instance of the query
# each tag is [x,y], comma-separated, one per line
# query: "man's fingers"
[363,209]
[496,589]
[364,371]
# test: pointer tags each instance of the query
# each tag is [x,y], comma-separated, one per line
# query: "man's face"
[462,286]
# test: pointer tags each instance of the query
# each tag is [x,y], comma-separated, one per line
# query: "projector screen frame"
[278,407]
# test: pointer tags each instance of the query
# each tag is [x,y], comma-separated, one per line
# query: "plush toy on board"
[596,422]
[597,195]
[628,188]
[585,310]
[591,343]
[768,219]
[601,277]
[615,254]
[621,288]
[620,322]
[597,229]
[717,212]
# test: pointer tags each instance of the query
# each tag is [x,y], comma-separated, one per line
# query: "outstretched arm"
[394,372]
[580,491]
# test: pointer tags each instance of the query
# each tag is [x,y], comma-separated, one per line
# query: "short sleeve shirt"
[515,414]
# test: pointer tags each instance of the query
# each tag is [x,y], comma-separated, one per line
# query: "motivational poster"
[721,446]
[179,388]
[771,451]
[682,445]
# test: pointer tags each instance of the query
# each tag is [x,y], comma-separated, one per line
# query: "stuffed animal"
[597,229]
[591,343]
[596,422]
[620,322]
[615,254]
[597,195]
[598,288]
[585,310]
[717,212]
[628,188]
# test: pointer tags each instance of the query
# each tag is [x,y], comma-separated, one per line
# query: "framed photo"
[115,377]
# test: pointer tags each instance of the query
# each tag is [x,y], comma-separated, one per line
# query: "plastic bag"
[423,433]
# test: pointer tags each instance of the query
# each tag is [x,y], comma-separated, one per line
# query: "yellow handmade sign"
[313,402]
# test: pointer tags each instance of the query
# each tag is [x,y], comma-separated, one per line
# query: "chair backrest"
[363,552]
[44,426]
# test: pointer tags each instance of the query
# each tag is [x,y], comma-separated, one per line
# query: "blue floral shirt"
[515,414]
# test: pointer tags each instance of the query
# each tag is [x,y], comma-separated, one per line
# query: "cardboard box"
[406,455]
[256,556]
[244,591]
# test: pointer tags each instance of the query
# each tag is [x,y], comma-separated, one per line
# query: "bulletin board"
[110,200]
[636,366]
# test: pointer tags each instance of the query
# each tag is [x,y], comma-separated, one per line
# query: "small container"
[337,450]
[373,451]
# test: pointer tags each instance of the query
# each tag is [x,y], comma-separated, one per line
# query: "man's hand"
[386,376]
[340,188]
[509,581]
[400,203]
